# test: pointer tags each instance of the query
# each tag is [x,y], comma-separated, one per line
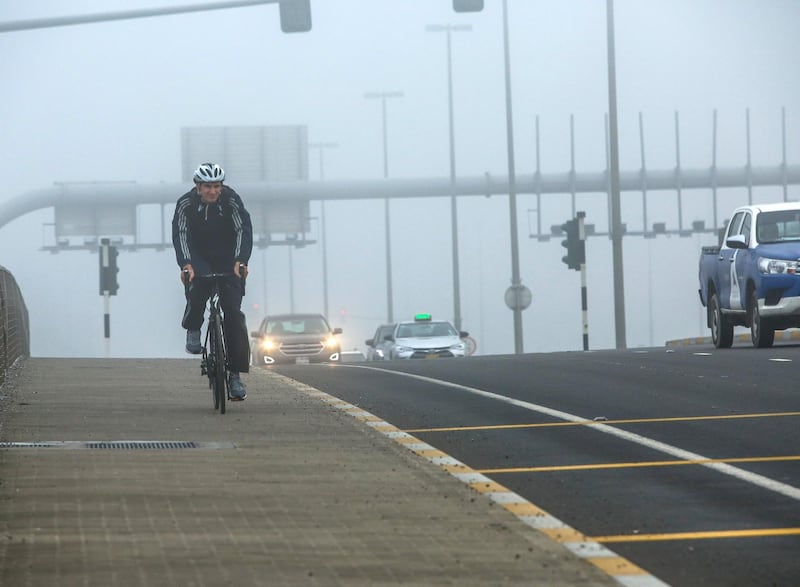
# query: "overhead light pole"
[323,237]
[616,213]
[449,28]
[516,288]
[383,96]
[294,18]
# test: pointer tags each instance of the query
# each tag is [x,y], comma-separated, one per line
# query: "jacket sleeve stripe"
[237,226]
[183,233]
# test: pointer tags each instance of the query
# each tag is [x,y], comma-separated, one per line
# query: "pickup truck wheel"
[761,333]
[721,327]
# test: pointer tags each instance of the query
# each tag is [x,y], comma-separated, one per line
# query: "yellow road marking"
[698,535]
[524,509]
[565,534]
[433,453]
[488,487]
[407,440]
[616,565]
[591,422]
[639,464]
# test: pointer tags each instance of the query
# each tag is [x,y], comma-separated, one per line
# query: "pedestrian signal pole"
[108,286]
[575,243]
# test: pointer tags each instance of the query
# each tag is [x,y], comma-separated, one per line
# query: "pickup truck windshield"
[779,226]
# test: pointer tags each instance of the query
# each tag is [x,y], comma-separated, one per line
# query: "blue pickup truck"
[753,278]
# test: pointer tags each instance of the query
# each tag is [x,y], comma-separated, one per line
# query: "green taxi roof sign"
[424,317]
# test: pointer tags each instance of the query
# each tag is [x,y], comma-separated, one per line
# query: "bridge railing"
[14,326]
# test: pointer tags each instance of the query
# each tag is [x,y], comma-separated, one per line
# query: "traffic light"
[108,268]
[576,250]
[295,16]
[467,5]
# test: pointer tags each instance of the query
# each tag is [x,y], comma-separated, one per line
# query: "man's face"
[209,192]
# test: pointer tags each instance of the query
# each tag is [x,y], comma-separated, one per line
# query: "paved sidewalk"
[288,491]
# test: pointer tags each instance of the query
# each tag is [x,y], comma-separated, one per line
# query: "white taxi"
[424,338]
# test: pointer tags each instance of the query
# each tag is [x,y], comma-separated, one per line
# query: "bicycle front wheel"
[221,371]
[212,362]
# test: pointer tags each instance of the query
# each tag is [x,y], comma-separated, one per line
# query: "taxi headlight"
[403,349]
[459,346]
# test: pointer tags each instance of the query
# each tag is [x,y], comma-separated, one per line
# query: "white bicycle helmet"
[209,173]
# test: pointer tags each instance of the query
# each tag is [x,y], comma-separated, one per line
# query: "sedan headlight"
[403,349]
[777,266]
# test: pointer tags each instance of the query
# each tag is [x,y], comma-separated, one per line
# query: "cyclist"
[212,233]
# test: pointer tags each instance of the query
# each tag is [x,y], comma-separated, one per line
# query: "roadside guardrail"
[14,325]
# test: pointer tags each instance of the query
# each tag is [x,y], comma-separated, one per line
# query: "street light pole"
[512,188]
[382,96]
[616,213]
[322,147]
[453,207]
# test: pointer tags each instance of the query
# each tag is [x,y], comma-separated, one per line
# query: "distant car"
[379,344]
[354,356]
[295,338]
[421,338]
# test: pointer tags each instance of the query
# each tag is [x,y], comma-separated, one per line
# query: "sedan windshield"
[297,326]
[424,329]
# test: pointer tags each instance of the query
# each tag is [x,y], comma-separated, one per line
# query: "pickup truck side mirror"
[463,334]
[388,337]
[256,334]
[737,241]
[370,342]
[337,331]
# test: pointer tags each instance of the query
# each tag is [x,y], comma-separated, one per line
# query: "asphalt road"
[685,461]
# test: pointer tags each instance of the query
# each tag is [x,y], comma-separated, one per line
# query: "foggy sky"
[107,101]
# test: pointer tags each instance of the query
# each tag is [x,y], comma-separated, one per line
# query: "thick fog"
[107,101]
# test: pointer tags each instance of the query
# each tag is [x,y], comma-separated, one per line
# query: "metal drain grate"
[29,444]
[121,445]
[142,445]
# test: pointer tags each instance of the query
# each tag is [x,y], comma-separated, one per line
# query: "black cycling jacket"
[212,237]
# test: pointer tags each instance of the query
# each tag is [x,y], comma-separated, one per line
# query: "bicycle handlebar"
[218,275]
[214,275]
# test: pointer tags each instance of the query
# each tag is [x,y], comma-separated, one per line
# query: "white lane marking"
[724,468]
[472,477]
[781,360]
[505,497]
[590,549]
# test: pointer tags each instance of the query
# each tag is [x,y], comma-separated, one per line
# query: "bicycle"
[214,360]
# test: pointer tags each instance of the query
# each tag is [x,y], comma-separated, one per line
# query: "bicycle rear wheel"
[220,370]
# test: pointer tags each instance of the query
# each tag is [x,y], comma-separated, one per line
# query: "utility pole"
[322,147]
[449,28]
[516,283]
[382,96]
[616,210]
